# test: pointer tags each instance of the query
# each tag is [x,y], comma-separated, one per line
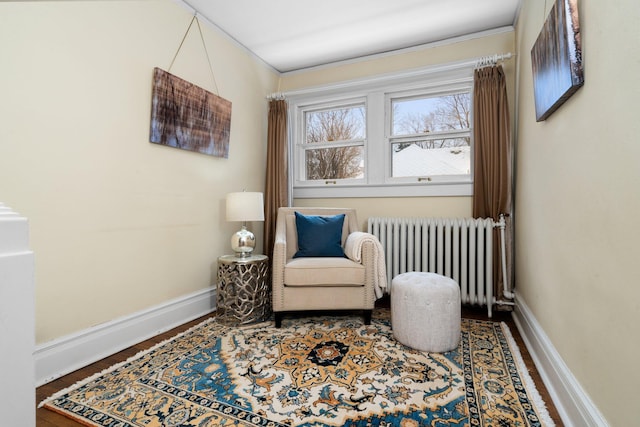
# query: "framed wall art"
[188,117]
[556,59]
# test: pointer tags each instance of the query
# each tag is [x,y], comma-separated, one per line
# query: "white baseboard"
[67,354]
[573,404]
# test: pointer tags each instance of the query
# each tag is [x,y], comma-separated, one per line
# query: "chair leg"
[278,316]
[367,316]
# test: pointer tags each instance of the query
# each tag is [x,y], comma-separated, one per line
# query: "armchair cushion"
[324,271]
[319,236]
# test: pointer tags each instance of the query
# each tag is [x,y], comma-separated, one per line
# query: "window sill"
[354,191]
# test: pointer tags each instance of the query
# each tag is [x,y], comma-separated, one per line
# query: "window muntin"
[334,143]
[430,136]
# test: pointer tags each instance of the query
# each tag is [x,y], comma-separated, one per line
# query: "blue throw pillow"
[319,236]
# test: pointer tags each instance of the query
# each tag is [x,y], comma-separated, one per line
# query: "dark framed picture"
[556,59]
[186,116]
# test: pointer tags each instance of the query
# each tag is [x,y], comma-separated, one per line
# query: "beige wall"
[118,224]
[436,54]
[578,204]
[397,206]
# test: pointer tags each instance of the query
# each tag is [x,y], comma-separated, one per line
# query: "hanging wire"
[181,43]
[207,53]
[195,18]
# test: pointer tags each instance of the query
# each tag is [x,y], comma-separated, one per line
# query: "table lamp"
[244,206]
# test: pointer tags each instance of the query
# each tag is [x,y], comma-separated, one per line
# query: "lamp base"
[243,242]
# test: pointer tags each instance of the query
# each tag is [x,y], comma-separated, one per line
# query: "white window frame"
[301,146]
[391,139]
[377,94]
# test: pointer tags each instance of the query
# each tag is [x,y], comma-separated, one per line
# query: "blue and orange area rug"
[316,371]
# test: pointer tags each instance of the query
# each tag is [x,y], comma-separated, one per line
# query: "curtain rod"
[487,61]
[478,62]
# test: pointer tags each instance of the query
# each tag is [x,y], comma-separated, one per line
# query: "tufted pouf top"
[425,311]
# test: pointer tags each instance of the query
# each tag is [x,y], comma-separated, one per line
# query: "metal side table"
[244,291]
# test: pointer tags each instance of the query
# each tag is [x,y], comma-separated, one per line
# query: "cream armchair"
[321,283]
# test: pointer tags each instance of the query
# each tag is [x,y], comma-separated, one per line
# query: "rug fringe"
[543,412]
[120,364]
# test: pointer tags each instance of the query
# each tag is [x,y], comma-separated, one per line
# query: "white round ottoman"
[425,311]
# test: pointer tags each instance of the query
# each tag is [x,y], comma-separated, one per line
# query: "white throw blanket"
[353,250]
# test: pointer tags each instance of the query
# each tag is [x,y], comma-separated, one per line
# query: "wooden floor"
[46,418]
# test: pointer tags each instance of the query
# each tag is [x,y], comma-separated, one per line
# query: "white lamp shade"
[245,206]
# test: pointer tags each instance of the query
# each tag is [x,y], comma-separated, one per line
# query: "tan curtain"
[492,153]
[276,187]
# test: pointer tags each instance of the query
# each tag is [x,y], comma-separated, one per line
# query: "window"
[430,137]
[397,137]
[333,144]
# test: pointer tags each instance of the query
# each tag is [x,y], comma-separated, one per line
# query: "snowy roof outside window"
[416,161]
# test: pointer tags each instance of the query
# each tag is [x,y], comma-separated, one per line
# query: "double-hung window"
[429,137]
[332,143]
[401,138]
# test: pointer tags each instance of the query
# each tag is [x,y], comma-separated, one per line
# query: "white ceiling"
[295,34]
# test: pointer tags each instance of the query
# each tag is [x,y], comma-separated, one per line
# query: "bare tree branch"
[334,125]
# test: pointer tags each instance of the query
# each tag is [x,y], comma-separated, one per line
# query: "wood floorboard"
[47,418]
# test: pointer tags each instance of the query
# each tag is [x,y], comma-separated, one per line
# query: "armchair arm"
[366,249]
[278,262]
[354,247]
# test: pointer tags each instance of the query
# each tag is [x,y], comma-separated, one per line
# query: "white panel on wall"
[17,321]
